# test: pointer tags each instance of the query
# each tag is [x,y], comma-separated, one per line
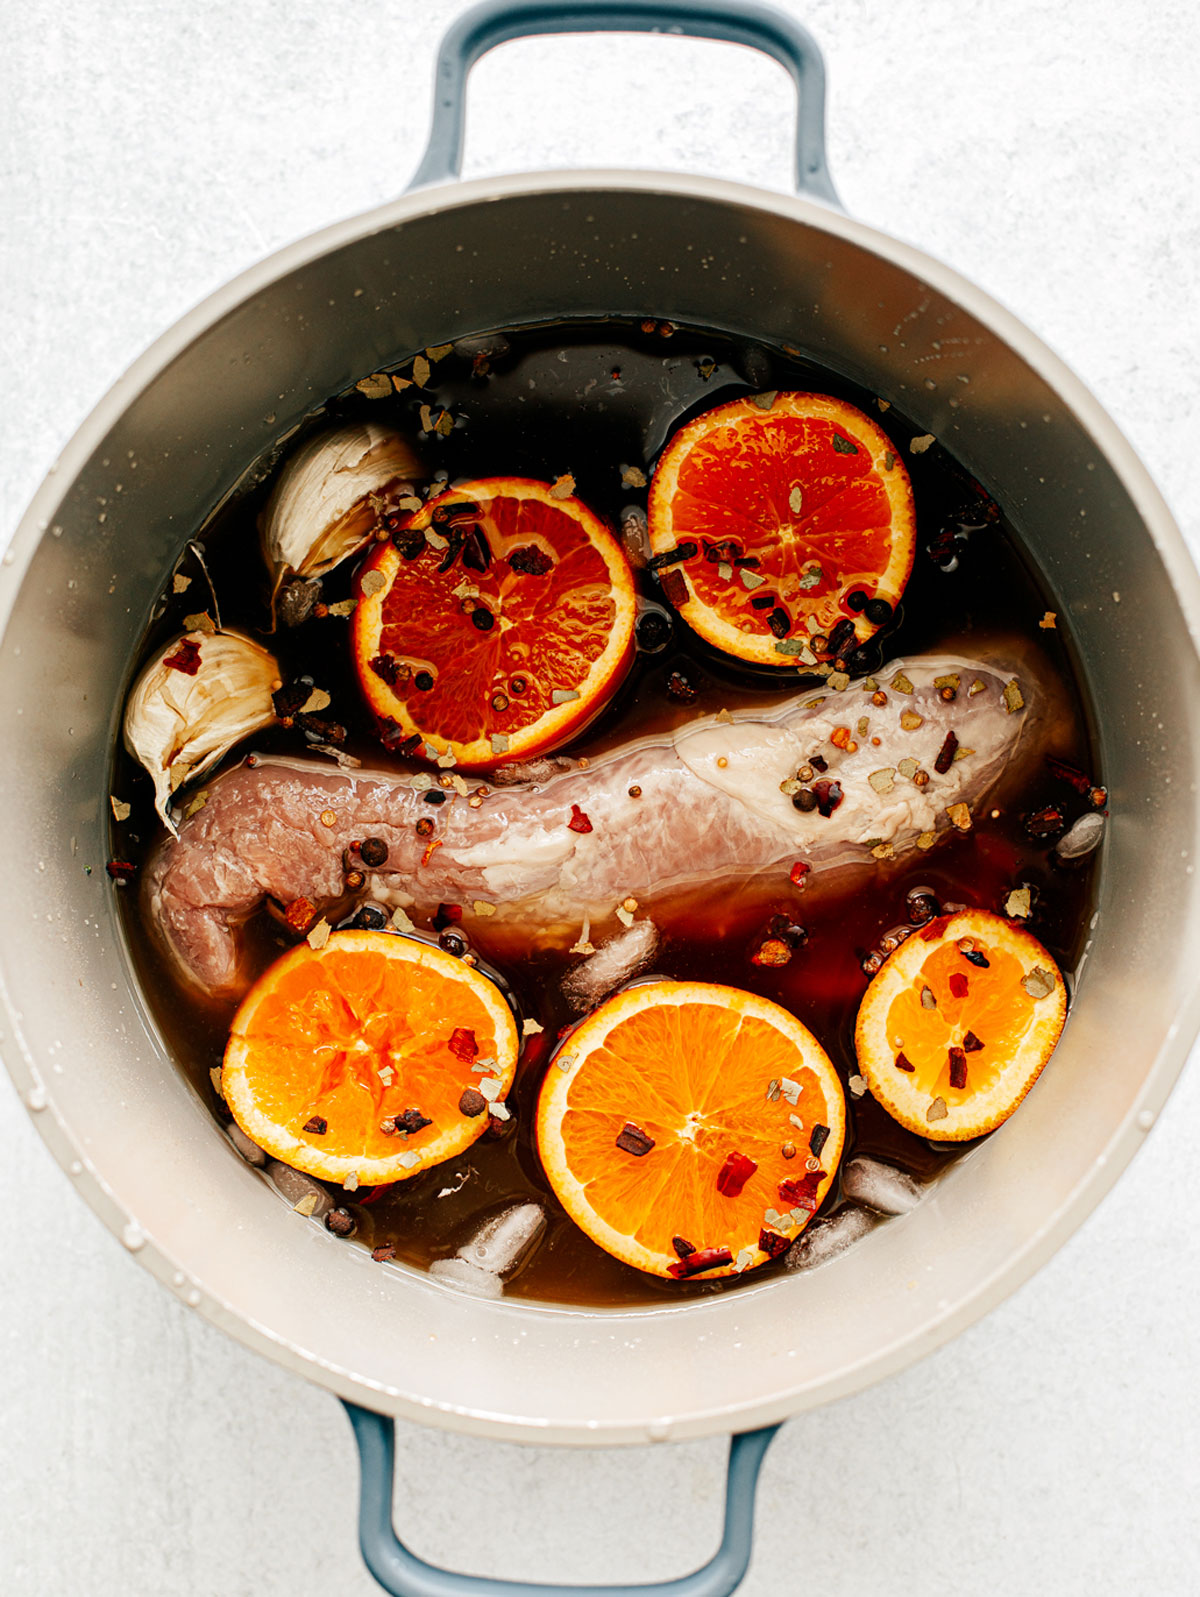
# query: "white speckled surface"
[148,153]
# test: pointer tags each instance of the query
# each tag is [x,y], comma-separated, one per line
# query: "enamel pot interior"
[176,434]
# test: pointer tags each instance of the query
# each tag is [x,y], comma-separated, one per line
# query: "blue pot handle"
[760,27]
[403,1574]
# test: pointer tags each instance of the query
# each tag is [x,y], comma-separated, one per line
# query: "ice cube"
[295,1186]
[498,1249]
[1083,837]
[468,1277]
[250,1151]
[612,965]
[880,1186]
[825,1239]
[504,1242]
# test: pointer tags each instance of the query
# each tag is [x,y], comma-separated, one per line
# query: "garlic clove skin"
[181,719]
[326,503]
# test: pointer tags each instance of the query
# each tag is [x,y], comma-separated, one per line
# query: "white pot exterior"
[178,430]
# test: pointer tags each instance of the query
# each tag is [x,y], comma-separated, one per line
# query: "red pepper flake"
[734,1174]
[429,850]
[801,1192]
[959,986]
[370,1194]
[798,872]
[818,762]
[463,1045]
[678,687]
[121,869]
[696,1263]
[447,915]
[300,914]
[383,1254]
[903,1064]
[682,1246]
[971,1043]
[186,657]
[317,1126]
[945,757]
[1069,773]
[530,561]
[632,1139]
[579,821]
[773,1243]
[934,929]
[958,1068]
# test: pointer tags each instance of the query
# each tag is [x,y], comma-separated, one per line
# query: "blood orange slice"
[495,624]
[782,527]
[959,1023]
[355,1060]
[691,1129]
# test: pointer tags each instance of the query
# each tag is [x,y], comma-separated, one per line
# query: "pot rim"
[1127,1135]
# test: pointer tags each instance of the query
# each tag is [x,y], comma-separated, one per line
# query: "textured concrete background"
[1050,151]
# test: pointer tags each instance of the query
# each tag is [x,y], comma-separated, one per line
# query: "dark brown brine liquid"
[589,399]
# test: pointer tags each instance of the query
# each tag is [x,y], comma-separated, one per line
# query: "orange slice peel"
[782,527]
[369,1059]
[958,1024]
[691,1129]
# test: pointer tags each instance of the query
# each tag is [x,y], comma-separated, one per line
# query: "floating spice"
[1012,697]
[817,1140]
[1018,904]
[462,1044]
[903,1063]
[632,1139]
[579,821]
[958,1069]
[699,1260]
[945,755]
[959,986]
[1038,982]
[734,1174]
[937,1110]
[773,1243]
[960,816]
[800,1192]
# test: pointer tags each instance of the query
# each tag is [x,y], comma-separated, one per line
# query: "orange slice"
[958,1024]
[495,624]
[792,518]
[355,1059]
[691,1129]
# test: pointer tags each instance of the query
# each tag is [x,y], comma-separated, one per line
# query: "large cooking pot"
[177,432]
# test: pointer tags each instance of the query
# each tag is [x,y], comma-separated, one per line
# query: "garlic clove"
[327,501]
[195,699]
